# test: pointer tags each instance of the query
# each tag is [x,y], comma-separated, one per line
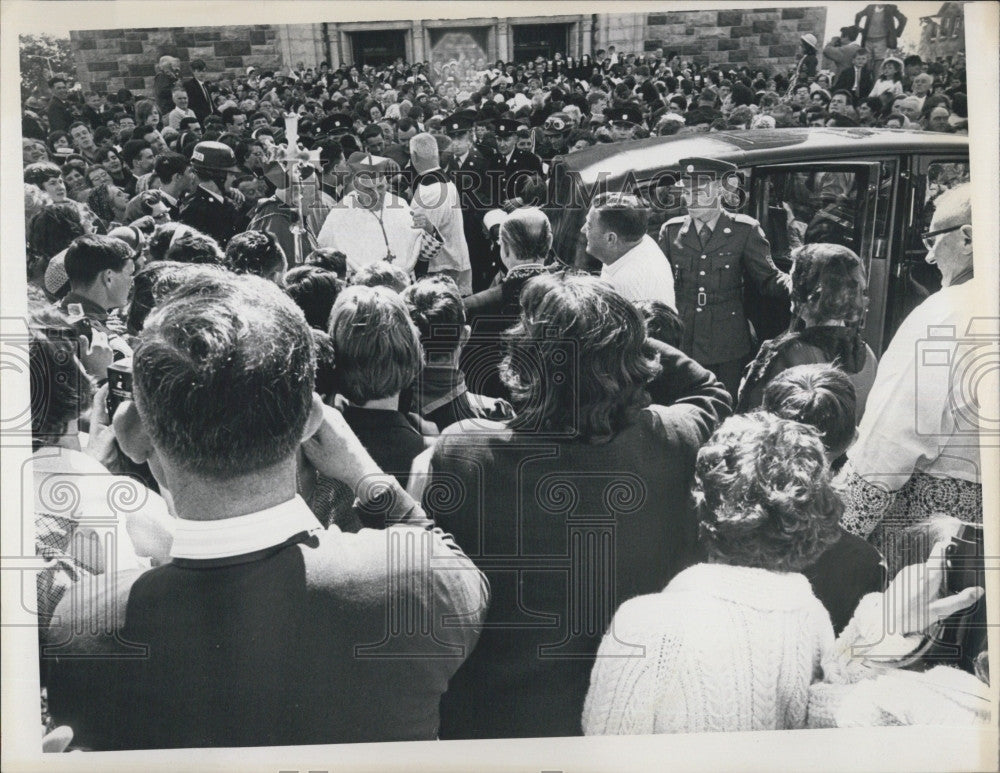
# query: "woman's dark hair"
[820,396]
[60,388]
[53,228]
[331,260]
[314,290]
[829,282]
[194,247]
[762,487]
[575,362]
[662,322]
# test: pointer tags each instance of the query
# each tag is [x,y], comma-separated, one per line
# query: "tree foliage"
[43,56]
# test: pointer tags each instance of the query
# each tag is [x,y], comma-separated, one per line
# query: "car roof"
[644,157]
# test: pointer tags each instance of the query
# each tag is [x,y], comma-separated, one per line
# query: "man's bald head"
[526,236]
[951,251]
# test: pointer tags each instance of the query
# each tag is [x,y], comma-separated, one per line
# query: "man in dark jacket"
[60,111]
[525,239]
[881,25]
[163,84]
[858,78]
[199,97]
[470,171]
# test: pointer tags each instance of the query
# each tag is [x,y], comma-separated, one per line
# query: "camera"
[119,384]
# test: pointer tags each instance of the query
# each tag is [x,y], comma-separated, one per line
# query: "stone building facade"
[767,38]
[942,34]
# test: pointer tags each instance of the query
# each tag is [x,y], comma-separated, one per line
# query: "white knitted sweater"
[721,648]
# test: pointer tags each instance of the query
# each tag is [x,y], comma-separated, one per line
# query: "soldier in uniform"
[711,251]
[470,171]
[515,165]
[209,209]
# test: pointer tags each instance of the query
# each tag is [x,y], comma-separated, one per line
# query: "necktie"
[705,234]
[857,78]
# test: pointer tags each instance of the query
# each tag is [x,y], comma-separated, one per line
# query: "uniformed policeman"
[209,209]
[625,121]
[515,165]
[470,171]
[711,251]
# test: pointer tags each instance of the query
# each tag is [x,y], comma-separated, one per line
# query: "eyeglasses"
[929,238]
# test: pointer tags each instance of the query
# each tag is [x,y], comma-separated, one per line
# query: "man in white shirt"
[633,263]
[181,109]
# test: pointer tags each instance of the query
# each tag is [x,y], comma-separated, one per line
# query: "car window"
[941,176]
[809,204]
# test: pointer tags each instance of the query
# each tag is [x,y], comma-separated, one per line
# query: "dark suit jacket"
[845,80]
[489,313]
[896,22]
[60,114]
[163,85]
[475,188]
[565,531]
[197,100]
[522,166]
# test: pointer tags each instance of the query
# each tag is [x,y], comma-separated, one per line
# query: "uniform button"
[698,309]
[704,256]
[701,289]
[701,273]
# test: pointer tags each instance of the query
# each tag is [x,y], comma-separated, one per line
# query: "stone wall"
[766,38]
[108,60]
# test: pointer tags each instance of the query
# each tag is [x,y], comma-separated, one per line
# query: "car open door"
[823,201]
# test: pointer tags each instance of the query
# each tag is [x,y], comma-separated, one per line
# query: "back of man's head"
[623,214]
[132,149]
[168,166]
[255,252]
[527,234]
[89,255]
[237,339]
[377,344]
[821,396]
[436,308]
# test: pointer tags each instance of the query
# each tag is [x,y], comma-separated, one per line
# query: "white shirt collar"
[244,533]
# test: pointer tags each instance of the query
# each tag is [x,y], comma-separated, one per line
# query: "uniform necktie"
[705,234]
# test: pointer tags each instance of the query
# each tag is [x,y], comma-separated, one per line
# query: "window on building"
[544,40]
[378,47]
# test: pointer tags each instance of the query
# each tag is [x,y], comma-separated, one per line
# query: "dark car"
[872,190]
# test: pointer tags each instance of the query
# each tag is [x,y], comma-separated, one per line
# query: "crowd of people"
[397,472]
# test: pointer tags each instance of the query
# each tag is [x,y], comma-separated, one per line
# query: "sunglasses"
[929,238]
[554,124]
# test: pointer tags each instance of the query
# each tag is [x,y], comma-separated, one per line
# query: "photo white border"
[890,749]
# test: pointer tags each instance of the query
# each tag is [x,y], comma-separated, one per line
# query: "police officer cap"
[708,168]
[507,127]
[487,114]
[458,123]
[630,114]
[336,123]
[213,157]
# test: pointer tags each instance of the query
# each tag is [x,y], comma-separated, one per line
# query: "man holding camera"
[100,271]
